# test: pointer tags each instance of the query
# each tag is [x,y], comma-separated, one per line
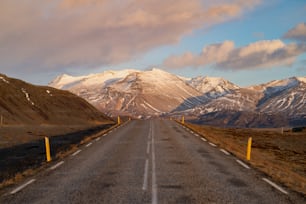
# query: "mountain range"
[22,103]
[206,100]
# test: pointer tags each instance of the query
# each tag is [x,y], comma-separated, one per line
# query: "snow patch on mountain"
[4,80]
[213,87]
[27,95]
[155,92]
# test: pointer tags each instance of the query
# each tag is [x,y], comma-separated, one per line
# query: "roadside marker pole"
[248,156]
[47,144]
[118,120]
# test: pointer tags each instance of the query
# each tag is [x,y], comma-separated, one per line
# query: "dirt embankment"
[280,154]
[22,149]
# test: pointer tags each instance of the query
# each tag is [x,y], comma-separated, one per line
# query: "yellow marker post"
[248,156]
[119,120]
[183,120]
[47,144]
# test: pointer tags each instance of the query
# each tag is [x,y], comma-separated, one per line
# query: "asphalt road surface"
[153,161]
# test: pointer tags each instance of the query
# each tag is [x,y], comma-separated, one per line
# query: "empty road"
[152,161]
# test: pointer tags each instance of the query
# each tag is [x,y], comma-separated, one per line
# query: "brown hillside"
[23,103]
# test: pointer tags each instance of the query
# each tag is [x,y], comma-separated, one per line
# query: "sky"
[246,42]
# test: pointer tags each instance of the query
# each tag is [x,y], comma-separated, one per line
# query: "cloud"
[297,33]
[261,54]
[41,35]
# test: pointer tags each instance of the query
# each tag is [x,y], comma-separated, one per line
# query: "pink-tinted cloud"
[261,54]
[39,34]
[297,33]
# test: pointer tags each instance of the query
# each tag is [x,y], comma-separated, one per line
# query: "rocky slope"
[133,93]
[274,104]
[23,103]
[207,100]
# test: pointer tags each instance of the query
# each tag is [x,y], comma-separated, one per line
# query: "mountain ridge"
[155,92]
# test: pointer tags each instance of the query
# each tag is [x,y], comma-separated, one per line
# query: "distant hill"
[206,100]
[23,103]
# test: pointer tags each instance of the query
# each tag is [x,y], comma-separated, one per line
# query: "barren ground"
[22,148]
[281,156]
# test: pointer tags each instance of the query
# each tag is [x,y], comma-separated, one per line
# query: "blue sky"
[269,21]
[59,39]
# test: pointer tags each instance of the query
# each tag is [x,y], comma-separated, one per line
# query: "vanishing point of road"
[149,161]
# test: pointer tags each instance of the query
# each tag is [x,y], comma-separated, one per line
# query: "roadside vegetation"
[279,153]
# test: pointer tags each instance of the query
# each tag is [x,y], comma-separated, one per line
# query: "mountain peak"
[301,79]
[156,92]
[213,86]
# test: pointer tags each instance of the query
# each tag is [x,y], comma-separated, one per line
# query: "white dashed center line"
[88,144]
[154,184]
[145,177]
[98,139]
[204,139]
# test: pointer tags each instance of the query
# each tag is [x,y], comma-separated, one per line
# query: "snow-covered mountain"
[208,99]
[286,96]
[131,92]
[212,87]
[274,104]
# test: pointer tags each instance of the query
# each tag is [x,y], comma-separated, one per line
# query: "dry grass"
[20,176]
[281,156]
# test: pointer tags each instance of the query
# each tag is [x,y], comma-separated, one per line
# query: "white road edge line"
[242,164]
[104,135]
[77,152]
[204,139]
[22,186]
[88,144]
[145,176]
[212,144]
[98,139]
[275,185]
[224,151]
[196,135]
[56,165]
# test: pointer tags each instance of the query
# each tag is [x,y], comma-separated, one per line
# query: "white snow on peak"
[63,81]
[279,85]
[208,84]
[302,79]
[67,82]
[283,83]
